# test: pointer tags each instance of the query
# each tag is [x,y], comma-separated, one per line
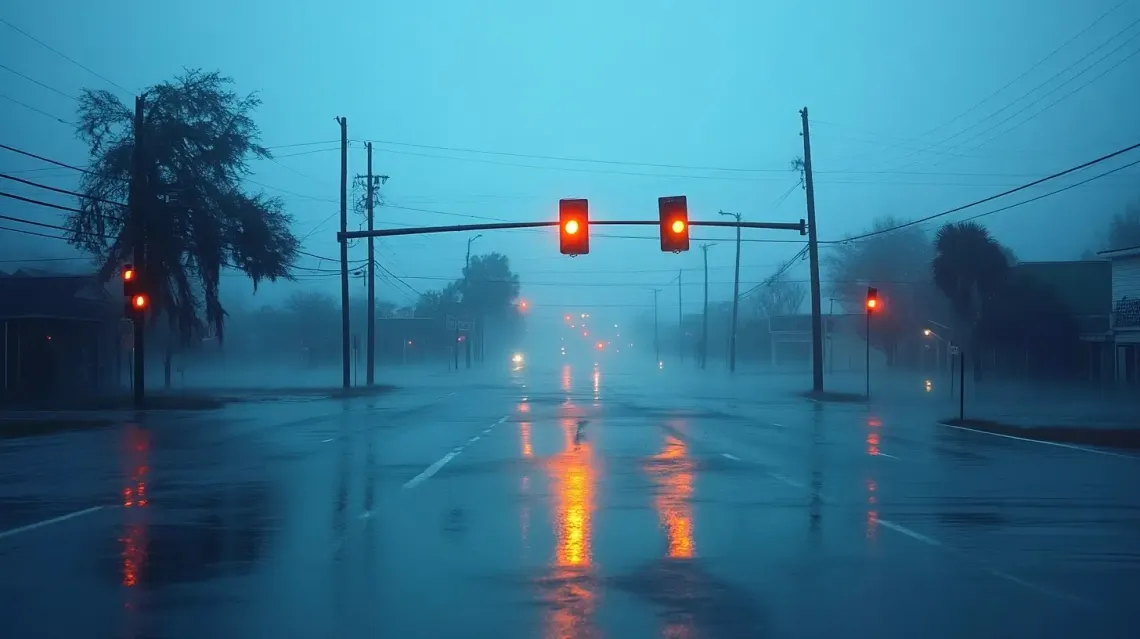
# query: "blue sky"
[893,89]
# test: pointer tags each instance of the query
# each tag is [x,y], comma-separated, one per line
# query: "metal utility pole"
[735,299]
[345,355]
[705,314]
[370,357]
[656,339]
[680,319]
[813,262]
[478,329]
[138,198]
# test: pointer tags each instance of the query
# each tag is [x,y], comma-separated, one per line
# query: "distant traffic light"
[674,212]
[872,299]
[574,227]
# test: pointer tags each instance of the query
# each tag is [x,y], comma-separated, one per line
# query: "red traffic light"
[128,273]
[872,299]
[140,302]
[574,227]
[674,212]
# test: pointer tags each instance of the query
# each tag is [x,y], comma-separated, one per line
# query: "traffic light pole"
[137,202]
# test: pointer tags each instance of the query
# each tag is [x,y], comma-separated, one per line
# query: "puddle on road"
[223,534]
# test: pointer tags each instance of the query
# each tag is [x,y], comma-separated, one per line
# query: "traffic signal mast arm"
[800,226]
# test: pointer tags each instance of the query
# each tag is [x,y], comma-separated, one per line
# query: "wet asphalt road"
[564,502]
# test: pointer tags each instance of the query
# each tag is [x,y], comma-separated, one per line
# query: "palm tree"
[969,267]
[197,220]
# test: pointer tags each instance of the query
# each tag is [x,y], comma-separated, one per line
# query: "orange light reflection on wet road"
[135,497]
[566,378]
[524,433]
[672,469]
[572,597]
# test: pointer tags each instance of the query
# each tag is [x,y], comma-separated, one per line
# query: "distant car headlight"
[517,358]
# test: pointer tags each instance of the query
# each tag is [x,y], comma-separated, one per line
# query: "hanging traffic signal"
[872,299]
[138,302]
[674,223]
[574,227]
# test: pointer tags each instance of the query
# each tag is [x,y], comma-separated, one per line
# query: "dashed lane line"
[930,541]
[441,462]
[47,522]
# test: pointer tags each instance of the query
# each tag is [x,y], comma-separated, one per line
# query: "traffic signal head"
[137,305]
[674,223]
[872,299]
[130,280]
[574,227]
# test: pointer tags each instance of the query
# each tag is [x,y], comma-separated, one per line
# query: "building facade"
[1125,318]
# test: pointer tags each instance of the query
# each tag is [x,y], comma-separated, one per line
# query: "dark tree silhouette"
[198,136]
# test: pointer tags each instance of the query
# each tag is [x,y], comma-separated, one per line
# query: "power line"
[994,197]
[1027,71]
[48,160]
[1051,92]
[59,190]
[37,110]
[39,203]
[35,81]
[1050,193]
[579,159]
[1053,103]
[65,56]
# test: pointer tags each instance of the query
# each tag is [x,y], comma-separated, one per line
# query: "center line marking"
[434,468]
[903,530]
[731,456]
[48,522]
[885,455]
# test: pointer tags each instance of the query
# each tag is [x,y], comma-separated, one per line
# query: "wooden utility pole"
[345,350]
[370,357]
[813,263]
[138,195]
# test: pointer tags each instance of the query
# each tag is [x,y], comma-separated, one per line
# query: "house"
[61,335]
[1124,327]
[1085,288]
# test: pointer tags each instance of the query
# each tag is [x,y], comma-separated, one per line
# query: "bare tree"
[781,297]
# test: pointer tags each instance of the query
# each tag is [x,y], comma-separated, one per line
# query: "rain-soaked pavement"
[571,502]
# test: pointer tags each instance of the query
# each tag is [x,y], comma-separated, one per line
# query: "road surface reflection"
[136,458]
[573,595]
[672,470]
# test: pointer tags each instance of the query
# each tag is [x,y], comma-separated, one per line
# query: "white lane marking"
[787,480]
[430,470]
[326,440]
[48,522]
[434,468]
[903,530]
[731,456]
[778,425]
[885,455]
[1041,441]
[908,532]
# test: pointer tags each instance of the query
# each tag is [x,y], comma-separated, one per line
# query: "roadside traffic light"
[574,227]
[872,299]
[674,223]
[138,302]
